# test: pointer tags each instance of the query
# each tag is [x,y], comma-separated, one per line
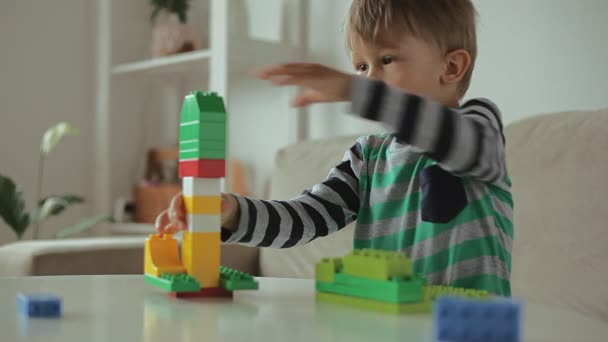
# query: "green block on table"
[372,305]
[432,292]
[215,131]
[392,291]
[325,269]
[377,264]
[174,282]
[203,107]
[233,280]
[202,154]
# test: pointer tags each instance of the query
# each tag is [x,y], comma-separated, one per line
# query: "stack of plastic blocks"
[374,280]
[202,152]
[202,166]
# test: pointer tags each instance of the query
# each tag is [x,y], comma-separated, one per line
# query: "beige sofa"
[558,163]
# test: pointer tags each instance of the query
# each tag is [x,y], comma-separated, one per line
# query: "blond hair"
[449,24]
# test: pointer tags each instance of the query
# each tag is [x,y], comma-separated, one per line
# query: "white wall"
[540,56]
[46,74]
[535,56]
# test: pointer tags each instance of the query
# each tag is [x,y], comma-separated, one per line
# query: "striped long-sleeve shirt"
[436,189]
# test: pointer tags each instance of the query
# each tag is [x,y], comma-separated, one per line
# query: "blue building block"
[466,320]
[39,305]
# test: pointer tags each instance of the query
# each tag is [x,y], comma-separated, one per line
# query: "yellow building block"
[201,257]
[203,204]
[161,255]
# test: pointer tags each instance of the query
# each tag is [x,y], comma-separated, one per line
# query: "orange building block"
[161,255]
[203,204]
[201,257]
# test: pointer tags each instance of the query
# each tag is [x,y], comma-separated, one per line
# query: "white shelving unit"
[124,83]
[169,65]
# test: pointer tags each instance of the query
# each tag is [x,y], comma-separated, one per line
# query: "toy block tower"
[202,168]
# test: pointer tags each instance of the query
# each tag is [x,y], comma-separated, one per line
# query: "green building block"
[432,292]
[372,305]
[202,154]
[232,280]
[174,282]
[203,107]
[377,264]
[208,145]
[214,131]
[392,291]
[197,149]
[325,269]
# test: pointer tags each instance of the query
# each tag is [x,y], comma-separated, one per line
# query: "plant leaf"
[53,205]
[12,206]
[53,135]
[82,226]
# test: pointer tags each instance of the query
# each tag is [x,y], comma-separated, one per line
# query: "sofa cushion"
[88,256]
[299,167]
[558,164]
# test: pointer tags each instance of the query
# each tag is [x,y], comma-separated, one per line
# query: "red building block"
[210,292]
[202,168]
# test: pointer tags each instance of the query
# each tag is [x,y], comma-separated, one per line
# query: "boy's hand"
[175,218]
[320,83]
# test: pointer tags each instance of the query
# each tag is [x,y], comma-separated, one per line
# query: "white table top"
[124,308]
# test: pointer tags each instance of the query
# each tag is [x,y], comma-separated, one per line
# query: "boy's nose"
[375,73]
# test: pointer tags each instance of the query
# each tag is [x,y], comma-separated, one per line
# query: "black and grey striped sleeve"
[324,209]
[467,141]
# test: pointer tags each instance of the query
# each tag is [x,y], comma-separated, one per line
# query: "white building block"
[192,186]
[204,223]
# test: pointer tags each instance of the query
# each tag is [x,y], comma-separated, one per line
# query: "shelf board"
[245,55]
[181,62]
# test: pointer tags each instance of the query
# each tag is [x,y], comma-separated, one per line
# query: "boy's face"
[407,62]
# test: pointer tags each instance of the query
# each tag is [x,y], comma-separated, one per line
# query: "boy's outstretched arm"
[324,209]
[466,142]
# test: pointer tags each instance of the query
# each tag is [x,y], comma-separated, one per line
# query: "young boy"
[436,189]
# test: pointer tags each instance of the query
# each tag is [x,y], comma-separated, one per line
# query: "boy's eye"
[362,67]
[387,60]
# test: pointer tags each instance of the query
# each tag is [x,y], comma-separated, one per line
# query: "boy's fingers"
[161,221]
[286,80]
[176,208]
[177,212]
[170,229]
[287,69]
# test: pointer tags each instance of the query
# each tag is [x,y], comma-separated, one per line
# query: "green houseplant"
[12,204]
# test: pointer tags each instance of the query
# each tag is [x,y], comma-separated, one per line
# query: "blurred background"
[118,75]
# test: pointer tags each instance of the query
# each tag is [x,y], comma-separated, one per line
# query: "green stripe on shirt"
[487,246]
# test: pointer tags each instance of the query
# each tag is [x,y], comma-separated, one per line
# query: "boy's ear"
[457,63]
